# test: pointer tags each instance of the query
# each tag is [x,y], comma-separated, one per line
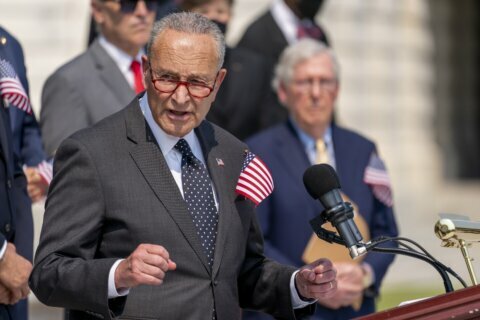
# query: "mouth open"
[178,115]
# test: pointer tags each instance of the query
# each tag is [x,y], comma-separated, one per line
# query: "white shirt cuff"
[2,251]
[297,302]
[112,290]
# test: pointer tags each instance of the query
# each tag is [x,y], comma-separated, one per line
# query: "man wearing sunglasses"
[143,221]
[104,78]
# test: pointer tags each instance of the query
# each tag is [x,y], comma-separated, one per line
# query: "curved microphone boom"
[322,183]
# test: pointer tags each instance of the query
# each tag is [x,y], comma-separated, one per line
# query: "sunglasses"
[128,6]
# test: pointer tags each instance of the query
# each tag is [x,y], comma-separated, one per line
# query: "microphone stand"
[331,237]
[446,279]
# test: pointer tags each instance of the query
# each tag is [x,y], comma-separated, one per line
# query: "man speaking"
[142,219]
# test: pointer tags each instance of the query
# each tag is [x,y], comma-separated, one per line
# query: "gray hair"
[297,53]
[189,22]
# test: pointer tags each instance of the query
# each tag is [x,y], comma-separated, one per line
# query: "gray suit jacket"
[112,191]
[79,94]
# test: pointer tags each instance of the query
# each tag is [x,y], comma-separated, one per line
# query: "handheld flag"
[11,89]
[255,181]
[46,171]
[377,177]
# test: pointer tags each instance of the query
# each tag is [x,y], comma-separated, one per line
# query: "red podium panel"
[459,305]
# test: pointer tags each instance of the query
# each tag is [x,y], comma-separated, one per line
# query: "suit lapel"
[110,74]
[212,153]
[3,132]
[278,39]
[292,149]
[342,151]
[150,161]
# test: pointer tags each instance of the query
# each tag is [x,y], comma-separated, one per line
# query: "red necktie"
[137,73]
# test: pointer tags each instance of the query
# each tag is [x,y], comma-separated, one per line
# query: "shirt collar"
[307,140]
[121,58]
[286,20]
[164,140]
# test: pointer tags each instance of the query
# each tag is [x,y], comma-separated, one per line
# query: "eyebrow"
[178,75]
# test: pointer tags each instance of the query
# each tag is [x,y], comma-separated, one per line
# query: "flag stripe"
[249,180]
[248,194]
[253,174]
[265,172]
[46,171]
[251,190]
[376,176]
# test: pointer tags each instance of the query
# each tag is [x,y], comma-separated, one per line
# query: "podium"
[459,305]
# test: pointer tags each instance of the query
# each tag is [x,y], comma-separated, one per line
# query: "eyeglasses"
[129,6]
[307,84]
[195,89]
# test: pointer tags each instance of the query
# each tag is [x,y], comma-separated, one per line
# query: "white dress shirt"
[286,20]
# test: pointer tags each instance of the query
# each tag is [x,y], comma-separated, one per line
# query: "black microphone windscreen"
[320,179]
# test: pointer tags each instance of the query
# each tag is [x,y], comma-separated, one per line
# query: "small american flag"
[11,88]
[377,177]
[45,170]
[255,181]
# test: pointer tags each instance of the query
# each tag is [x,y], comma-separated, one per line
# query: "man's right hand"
[14,273]
[148,264]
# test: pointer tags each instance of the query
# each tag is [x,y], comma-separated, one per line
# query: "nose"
[181,94]
[141,8]
[316,88]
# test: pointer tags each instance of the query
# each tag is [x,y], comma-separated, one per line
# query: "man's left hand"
[317,280]
[349,284]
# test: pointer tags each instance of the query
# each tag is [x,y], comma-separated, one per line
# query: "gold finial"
[3,40]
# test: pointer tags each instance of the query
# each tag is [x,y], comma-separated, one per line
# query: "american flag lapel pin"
[219,162]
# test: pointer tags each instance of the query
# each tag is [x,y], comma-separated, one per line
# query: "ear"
[282,94]
[145,67]
[220,77]
[335,92]
[97,12]
[145,64]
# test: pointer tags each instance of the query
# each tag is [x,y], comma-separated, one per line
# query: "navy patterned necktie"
[198,194]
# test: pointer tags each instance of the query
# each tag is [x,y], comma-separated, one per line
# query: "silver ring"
[331,285]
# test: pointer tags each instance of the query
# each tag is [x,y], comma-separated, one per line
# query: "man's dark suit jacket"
[27,146]
[26,141]
[284,216]
[12,190]
[240,105]
[265,37]
[112,190]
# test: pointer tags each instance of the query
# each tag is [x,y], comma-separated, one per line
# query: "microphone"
[321,182]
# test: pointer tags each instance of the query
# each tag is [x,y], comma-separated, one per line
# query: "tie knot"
[135,66]
[320,145]
[322,154]
[308,29]
[183,147]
